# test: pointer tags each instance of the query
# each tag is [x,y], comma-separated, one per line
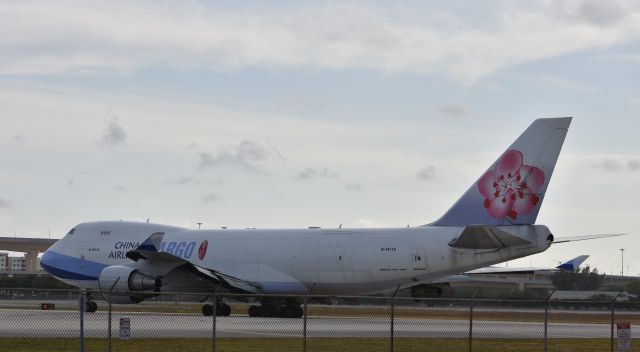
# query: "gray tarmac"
[37,323]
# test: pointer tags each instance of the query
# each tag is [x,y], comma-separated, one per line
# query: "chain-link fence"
[71,320]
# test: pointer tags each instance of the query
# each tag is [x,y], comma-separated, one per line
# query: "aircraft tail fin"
[573,264]
[511,191]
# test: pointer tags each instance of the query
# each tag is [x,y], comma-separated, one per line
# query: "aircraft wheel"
[298,312]
[223,310]
[91,307]
[268,312]
[254,311]
[292,311]
[207,310]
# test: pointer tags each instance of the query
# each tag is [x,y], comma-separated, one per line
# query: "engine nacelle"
[429,291]
[118,278]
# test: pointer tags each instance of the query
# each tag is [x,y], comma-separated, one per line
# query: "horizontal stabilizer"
[485,237]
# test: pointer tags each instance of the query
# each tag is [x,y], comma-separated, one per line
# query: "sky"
[287,114]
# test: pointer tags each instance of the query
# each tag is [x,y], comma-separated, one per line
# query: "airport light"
[622,265]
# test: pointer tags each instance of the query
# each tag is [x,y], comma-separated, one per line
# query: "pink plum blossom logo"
[202,251]
[509,189]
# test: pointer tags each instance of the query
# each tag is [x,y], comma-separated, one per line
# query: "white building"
[17,264]
[3,262]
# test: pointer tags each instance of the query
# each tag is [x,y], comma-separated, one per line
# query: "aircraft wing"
[148,251]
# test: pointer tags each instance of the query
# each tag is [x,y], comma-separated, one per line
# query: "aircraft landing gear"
[222,309]
[276,308]
[90,306]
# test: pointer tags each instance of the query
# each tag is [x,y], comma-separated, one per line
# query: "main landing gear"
[222,309]
[277,308]
[90,306]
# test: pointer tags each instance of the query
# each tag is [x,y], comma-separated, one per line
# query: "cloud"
[5,204]
[611,165]
[615,165]
[601,13]
[113,133]
[181,181]
[210,197]
[42,38]
[18,138]
[70,183]
[454,110]
[246,156]
[353,186]
[120,189]
[302,105]
[427,173]
[635,101]
[309,173]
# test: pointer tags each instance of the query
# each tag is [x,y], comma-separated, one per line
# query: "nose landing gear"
[90,306]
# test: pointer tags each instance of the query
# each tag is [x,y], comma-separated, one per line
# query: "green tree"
[633,287]
[583,279]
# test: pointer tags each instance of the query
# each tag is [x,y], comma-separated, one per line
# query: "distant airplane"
[492,222]
[572,264]
[491,276]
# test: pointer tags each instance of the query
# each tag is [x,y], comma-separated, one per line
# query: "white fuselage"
[320,261]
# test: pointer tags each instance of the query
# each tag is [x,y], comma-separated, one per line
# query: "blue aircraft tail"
[511,191]
[573,264]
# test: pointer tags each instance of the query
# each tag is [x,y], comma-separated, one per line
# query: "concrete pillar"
[32,261]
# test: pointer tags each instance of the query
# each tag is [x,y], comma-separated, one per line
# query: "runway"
[36,323]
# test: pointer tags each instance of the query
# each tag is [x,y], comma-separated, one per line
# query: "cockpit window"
[71,231]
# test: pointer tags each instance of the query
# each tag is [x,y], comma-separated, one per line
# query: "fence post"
[613,317]
[214,313]
[471,319]
[304,324]
[109,308]
[82,297]
[470,325]
[304,316]
[546,320]
[393,310]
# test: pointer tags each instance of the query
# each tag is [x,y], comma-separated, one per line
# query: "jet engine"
[120,283]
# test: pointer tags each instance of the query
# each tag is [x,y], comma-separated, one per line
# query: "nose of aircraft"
[47,262]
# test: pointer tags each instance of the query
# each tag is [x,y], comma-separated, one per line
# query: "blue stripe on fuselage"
[68,267]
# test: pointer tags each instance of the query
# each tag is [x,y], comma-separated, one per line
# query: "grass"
[313,344]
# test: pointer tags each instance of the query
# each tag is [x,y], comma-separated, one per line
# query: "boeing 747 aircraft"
[492,222]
